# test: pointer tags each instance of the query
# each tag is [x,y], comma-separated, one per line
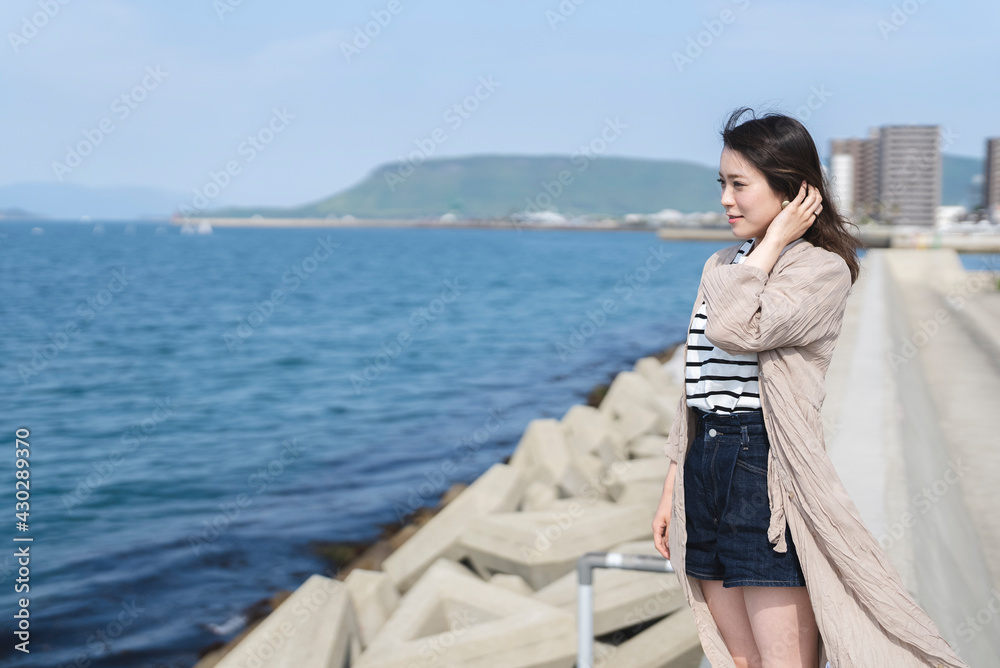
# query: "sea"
[195,414]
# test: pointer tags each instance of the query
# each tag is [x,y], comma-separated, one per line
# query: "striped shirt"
[714,380]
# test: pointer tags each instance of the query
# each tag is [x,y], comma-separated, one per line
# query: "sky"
[287,103]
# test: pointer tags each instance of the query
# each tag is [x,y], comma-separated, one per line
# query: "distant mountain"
[494,185]
[16,214]
[491,185]
[69,201]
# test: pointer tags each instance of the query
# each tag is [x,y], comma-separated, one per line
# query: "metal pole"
[585,597]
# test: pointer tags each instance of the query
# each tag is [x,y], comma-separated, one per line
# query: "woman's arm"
[664,512]
[765,254]
[749,310]
[672,447]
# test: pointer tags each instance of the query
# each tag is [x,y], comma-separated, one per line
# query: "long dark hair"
[781,148]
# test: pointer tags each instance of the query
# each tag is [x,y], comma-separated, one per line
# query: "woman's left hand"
[797,216]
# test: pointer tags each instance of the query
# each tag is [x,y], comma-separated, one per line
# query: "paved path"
[911,394]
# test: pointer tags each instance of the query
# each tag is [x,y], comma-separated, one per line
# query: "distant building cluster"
[894,177]
[674,218]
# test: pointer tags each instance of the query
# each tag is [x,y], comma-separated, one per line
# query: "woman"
[773,557]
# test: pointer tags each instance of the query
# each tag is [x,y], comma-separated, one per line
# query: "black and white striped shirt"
[716,381]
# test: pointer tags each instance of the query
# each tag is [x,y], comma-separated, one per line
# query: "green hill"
[488,186]
[499,185]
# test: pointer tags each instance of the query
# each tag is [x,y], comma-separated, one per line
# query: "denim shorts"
[725,496]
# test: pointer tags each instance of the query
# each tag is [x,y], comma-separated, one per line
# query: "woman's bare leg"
[730,613]
[784,627]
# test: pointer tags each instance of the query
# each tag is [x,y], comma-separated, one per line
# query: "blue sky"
[222,75]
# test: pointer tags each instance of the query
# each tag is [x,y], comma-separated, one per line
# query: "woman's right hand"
[661,520]
[795,219]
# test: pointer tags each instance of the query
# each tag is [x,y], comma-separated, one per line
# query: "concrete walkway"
[910,394]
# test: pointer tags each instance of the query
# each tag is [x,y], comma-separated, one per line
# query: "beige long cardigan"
[792,318]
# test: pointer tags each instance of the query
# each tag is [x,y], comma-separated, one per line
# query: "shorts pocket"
[750,467]
[752,455]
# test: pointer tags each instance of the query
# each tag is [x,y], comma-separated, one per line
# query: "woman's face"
[746,196]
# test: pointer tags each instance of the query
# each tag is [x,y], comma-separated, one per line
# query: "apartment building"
[854,165]
[909,174]
[893,176]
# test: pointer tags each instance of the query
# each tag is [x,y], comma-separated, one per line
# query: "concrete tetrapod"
[315,627]
[498,489]
[542,546]
[450,617]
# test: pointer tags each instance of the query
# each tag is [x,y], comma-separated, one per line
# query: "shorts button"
[712,432]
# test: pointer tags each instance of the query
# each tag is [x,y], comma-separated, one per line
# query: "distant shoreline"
[608,225]
[402,222]
[871,236]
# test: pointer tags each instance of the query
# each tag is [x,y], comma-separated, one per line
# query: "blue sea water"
[980,261]
[202,407]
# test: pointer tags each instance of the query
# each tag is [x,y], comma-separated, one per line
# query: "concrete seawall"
[910,393]
[490,580]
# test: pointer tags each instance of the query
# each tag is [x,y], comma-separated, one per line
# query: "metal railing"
[585,598]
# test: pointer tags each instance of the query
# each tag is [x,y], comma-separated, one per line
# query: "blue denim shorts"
[725,496]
